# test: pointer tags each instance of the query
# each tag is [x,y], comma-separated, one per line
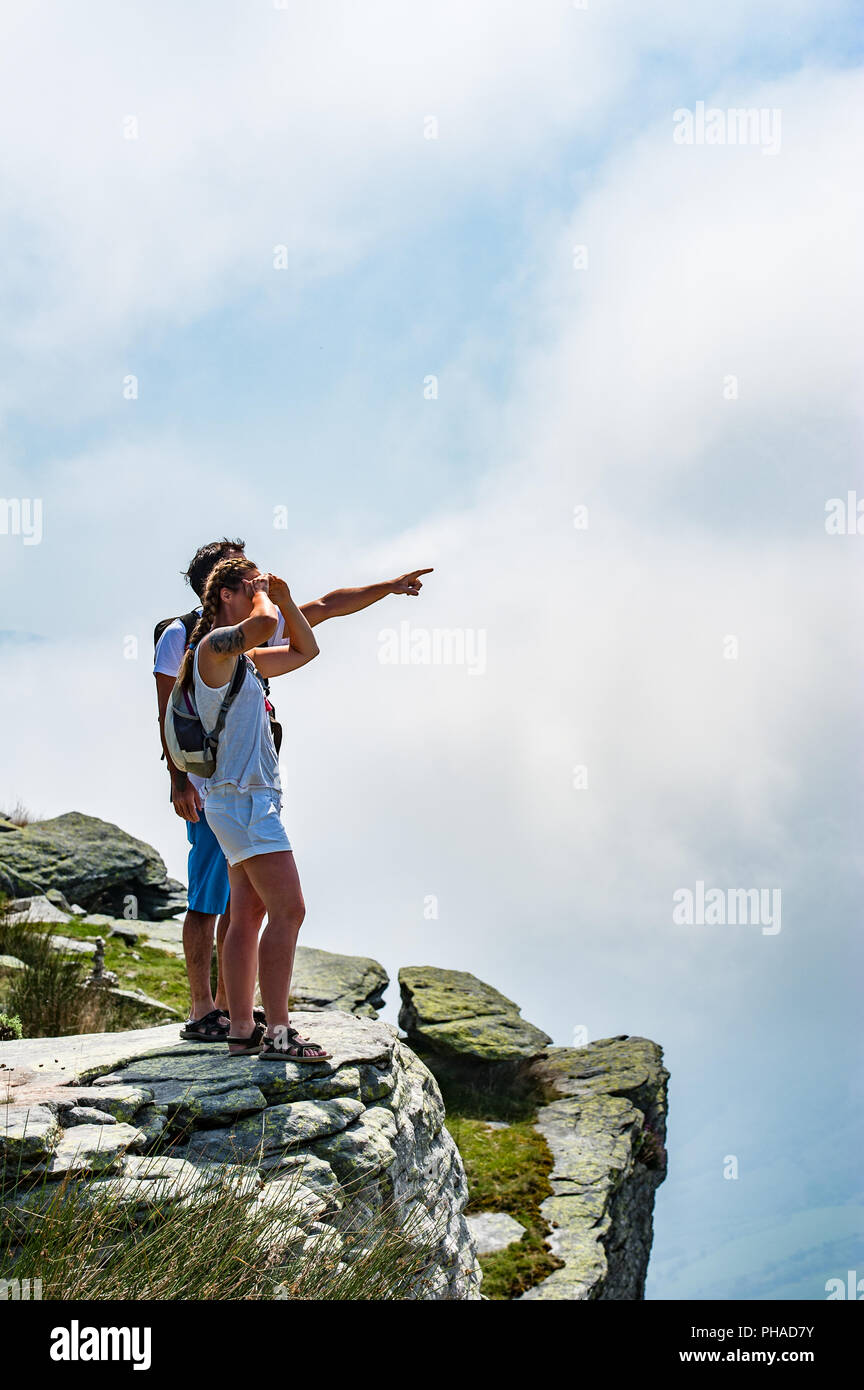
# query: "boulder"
[89,1148]
[91,862]
[27,1133]
[328,980]
[494,1230]
[87,1115]
[149,1119]
[281,1127]
[60,900]
[606,1132]
[134,931]
[133,1002]
[36,909]
[457,1015]
[72,946]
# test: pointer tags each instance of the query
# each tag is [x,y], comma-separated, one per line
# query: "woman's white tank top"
[246,756]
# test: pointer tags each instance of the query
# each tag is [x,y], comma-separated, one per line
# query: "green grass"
[10,1027]
[507,1169]
[47,997]
[156,973]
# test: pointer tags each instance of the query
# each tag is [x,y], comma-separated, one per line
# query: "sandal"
[297,1049]
[251,1045]
[207,1029]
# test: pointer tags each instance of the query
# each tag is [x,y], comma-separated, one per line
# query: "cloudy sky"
[387,285]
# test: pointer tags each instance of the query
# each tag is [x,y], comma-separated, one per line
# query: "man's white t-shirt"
[169,654]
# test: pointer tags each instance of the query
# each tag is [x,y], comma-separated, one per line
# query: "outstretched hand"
[409,583]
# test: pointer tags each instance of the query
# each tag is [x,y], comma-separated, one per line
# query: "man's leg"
[208,899]
[198,950]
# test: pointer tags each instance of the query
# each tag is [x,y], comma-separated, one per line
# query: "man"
[207,871]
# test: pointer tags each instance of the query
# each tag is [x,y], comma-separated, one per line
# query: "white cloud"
[605,646]
[260,127]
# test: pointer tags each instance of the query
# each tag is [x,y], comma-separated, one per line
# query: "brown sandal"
[251,1045]
[208,1029]
[297,1049]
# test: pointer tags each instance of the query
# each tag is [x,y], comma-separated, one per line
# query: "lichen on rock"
[454,1013]
[337,1141]
[89,861]
[612,1094]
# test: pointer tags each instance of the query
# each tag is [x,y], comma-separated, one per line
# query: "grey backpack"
[192,749]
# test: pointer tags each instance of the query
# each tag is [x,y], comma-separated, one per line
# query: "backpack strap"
[243,664]
[187,619]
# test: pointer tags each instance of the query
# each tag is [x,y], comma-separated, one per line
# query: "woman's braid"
[228,574]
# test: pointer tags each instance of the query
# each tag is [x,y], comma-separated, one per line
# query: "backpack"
[191,748]
[187,619]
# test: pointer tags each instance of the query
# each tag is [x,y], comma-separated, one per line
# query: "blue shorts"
[208,872]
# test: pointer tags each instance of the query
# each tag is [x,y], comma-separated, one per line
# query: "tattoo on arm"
[225,640]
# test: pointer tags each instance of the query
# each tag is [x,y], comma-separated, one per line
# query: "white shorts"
[246,822]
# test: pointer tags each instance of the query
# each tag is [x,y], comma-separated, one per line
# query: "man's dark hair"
[205,559]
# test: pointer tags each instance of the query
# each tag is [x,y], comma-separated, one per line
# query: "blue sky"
[604,387]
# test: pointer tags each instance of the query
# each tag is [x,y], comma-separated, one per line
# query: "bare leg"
[222,925]
[240,951]
[198,950]
[277,885]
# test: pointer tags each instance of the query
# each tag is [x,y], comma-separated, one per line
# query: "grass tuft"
[19,815]
[48,996]
[215,1241]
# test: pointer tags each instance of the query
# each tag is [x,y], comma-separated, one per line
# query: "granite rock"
[91,861]
[607,1136]
[455,1014]
[325,1147]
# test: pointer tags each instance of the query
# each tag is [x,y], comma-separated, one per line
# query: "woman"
[243,798]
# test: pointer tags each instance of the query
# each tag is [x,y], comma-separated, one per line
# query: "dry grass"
[20,815]
[216,1242]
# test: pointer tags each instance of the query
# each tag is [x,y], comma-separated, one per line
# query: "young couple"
[250,617]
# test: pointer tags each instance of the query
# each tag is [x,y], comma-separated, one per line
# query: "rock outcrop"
[328,980]
[92,863]
[601,1110]
[457,1015]
[607,1134]
[362,1130]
